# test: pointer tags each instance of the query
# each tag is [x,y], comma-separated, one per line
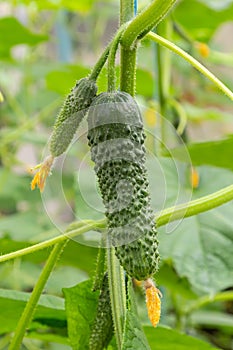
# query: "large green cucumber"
[116,138]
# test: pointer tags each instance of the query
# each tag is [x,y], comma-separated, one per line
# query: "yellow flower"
[203,49]
[153,301]
[194,178]
[1,97]
[44,171]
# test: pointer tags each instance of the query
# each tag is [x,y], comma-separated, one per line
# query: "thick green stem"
[128,55]
[195,207]
[29,310]
[100,63]
[126,11]
[163,217]
[207,299]
[146,20]
[117,294]
[128,70]
[192,61]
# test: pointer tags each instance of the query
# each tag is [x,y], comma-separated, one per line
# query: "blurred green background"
[45,46]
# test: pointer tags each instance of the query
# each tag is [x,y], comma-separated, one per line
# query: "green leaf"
[134,337]
[77,255]
[201,247]
[81,6]
[64,276]
[22,226]
[217,153]
[12,33]
[211,319]
[12,304]
[144,81]
[63,79]
[81,305]
[164,338]
[167,277]
[201,20]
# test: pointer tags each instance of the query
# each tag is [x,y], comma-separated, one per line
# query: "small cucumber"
[71,114]
[102,330]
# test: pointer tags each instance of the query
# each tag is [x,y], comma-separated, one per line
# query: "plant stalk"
[100,63]
[202,69]
[162,218]
[117,294]
[164,78]
[111,60]
[126,11]
[30,307]
[128,54]
[145,21]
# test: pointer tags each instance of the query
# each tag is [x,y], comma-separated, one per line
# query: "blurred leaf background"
[45,46]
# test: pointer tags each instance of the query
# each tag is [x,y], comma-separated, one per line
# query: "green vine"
[117,294]
[146,20]
[126,10]
[196,64]
[111,60]
[163,217]
[29,310]
[100,63]
[164,77]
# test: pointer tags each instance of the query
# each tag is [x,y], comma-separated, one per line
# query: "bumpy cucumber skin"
[116,138]
[71,114]
[102,330]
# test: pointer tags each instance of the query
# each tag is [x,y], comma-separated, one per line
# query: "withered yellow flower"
[44,171]
[153,302]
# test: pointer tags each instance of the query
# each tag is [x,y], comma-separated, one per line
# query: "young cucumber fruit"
[116,138]
[71,114]
[102,330]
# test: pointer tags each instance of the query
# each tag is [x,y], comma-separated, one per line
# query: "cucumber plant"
[116,138]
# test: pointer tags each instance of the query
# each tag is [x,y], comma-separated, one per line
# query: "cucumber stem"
[117,294]
[100,63]
[30,307]
[126,11]
[202,69]
[146,20]
[111,60]
[128,54]
[163,217]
